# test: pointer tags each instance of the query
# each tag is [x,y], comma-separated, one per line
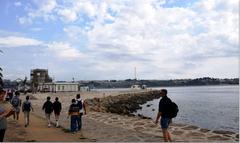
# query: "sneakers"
[49,125]
[57,125]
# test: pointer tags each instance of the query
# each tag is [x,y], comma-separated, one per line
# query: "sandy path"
[38,131]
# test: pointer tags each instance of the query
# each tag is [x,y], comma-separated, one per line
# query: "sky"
[107,39]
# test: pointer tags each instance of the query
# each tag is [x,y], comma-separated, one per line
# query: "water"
[211,107]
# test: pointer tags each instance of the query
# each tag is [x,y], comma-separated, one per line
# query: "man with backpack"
[82,108]
[48,108]
[26,108]
[57,107]
[167,110]
[16,103]
[74,113]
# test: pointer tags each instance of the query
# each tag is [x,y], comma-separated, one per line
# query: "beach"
[104,127]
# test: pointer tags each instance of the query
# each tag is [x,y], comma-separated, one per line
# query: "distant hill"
[156,83]
[149,83]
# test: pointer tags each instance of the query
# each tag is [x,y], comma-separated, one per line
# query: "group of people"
[12,107]
[14,99]
[76,110]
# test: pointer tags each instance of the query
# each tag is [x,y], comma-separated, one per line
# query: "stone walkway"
[180,132]
[106,127]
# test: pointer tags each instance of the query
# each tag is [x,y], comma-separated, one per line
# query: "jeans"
[2,132]
[165,122]
[74,122]
[80,121]
[26,117]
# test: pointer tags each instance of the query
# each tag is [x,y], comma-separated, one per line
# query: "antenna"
[135,73]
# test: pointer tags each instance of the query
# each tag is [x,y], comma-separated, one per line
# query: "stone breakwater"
[123,104]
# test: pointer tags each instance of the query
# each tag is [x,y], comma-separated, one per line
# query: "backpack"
[27,106]
[173,110]
[80,104]
[15,101]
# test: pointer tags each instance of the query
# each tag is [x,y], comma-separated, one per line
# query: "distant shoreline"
[169,86]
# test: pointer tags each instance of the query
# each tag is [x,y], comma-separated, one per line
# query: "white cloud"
[138,32]
[45,10]
[17,4]
[65,51]
[68,15]
[13,41]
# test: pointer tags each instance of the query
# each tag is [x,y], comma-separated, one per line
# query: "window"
[62,88]
[58,87]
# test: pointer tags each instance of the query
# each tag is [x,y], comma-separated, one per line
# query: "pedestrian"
[74,113]
[48,108]
[7,97]
[57,107]
[26,108]
[163,112]
[6,110]
[16,103]
[82,110]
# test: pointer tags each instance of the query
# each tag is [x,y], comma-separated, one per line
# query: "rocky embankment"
[123,104]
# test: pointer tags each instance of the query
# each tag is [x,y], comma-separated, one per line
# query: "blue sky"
[94,40]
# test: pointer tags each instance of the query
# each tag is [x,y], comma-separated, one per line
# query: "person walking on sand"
[82,110]
[48,108]
[74,113]
[16,103]
[57,107]
[26,108]
[163,112]
[6,110]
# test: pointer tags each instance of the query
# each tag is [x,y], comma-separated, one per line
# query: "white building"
[59,87]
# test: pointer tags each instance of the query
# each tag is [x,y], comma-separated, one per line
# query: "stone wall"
[123,104]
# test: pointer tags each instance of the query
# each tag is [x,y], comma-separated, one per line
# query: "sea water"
[211,107]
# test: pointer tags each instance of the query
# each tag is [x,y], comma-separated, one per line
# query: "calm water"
[211,107]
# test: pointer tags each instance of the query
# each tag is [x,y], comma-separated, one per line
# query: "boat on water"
[137,86]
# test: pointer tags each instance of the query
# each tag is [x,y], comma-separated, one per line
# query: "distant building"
[39,77]
[59,87]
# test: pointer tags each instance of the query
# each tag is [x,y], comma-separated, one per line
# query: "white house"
[59,87]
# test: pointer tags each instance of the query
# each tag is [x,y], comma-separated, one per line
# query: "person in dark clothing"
[57,107]
[16,103]
[163,112]
[48,108]
[74,113]
[26,108]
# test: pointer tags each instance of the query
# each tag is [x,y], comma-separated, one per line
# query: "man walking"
[16,103]
[163,112]
[48,108]
[74,113]
[82,108]
[26,108]
[57,107]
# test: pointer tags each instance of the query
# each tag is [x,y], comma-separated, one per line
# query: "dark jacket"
[73,109]
[48,107]
[57,107]
[164,106]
